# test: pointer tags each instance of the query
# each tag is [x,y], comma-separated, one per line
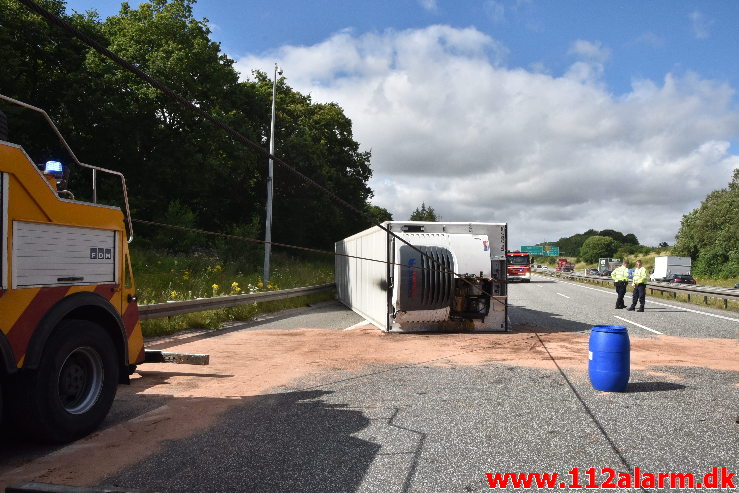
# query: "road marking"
[639,325]
[651,301]
[564,295]
[694,311]
[363,322]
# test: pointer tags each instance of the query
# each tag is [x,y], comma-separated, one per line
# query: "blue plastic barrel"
[609,358]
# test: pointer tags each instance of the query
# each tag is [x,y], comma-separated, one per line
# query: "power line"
[283,245]
[223,126]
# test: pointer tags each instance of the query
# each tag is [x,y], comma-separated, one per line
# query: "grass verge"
[213,319]
[693,298]
[162,276]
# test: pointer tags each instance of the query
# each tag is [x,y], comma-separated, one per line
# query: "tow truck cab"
[69,325]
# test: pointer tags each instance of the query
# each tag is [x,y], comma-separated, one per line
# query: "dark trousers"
[640,291]
[620,291]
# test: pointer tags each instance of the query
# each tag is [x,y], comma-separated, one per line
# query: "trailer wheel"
[72,390]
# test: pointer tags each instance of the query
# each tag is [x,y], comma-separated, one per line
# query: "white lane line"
[639,325]
[695,311]
[651,301]
[363,322]
[564,295]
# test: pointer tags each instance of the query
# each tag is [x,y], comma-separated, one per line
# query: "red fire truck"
[518,266]
[564,265]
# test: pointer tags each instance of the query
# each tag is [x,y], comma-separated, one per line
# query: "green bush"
[245,255]
[597,247]
[174,240]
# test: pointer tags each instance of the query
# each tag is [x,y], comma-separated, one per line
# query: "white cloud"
[590,66]
[590,51]
[495,10]
[429,5]
[649,39]
[700,25]
[450,125]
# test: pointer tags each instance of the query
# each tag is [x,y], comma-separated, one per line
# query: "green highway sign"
[552,251]
[533,250]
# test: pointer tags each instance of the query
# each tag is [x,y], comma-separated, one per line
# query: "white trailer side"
[361,283]
[369,279]
[666,265]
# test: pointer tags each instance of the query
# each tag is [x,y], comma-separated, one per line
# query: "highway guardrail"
[724,294]
[172,308]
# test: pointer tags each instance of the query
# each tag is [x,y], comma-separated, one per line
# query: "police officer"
[621,276]
[640,287]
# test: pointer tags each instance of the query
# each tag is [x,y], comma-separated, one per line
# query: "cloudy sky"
[555,117]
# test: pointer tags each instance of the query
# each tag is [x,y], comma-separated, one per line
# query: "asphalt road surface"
[568,305]
[437,425]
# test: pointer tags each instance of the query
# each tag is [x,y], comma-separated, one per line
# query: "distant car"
[680,279]
[736,286]
[566,269]
[606,273]
[538,266]
[592,272]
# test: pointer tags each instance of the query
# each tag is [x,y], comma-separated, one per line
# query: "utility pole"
[268,228]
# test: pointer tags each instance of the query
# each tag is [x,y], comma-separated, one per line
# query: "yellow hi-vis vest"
[620,274]
[640,276]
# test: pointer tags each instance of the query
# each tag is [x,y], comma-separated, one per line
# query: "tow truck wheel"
[1,405]
[72,390]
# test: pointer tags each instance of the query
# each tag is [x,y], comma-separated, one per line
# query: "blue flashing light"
[54,168]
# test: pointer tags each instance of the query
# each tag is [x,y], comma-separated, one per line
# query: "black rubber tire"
[72,390]
[2,411]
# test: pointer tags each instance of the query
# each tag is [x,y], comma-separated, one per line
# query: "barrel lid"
[618,329]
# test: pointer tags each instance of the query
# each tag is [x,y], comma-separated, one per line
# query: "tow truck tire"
[72,390]
[1,405]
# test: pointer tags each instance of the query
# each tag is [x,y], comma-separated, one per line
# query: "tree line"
[180,169]
[709,235]
[592,245]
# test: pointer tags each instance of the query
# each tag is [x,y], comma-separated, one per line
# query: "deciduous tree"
[597,247]
[710,233]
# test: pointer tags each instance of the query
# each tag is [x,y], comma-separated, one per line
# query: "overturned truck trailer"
[396,288]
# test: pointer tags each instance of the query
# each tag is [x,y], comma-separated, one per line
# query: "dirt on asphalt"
[249,363]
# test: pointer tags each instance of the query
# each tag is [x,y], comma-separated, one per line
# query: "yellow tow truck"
[69,324]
